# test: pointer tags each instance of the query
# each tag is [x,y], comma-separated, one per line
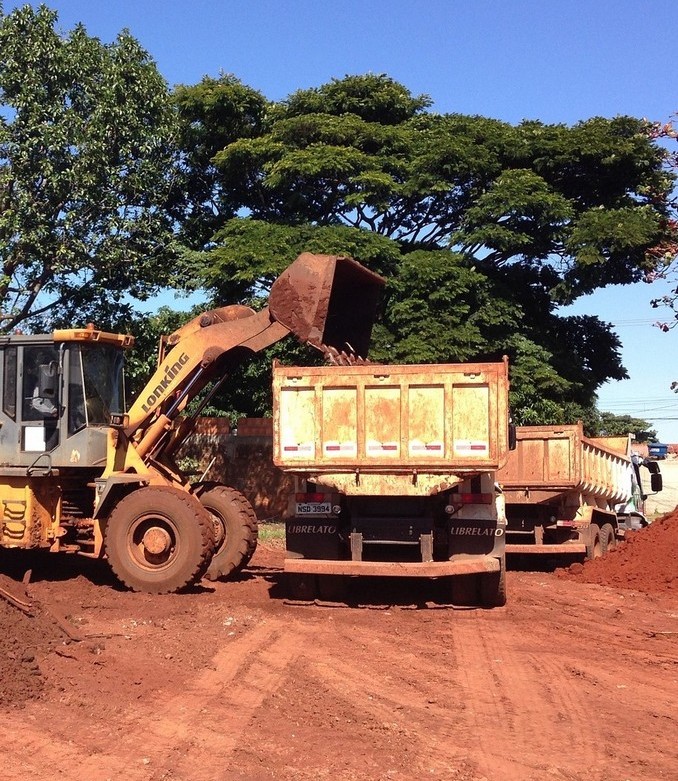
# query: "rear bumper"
[562,549]
[426,569]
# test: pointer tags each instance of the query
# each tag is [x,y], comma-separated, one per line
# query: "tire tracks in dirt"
[245,673]
[568,683]
[171,738]
[200,729]
[420,690]
[543,726]
[492,705]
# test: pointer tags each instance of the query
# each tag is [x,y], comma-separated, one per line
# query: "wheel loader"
[79,473]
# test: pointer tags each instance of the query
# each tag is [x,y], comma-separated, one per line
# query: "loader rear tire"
[608,538]
[159,539]
[593,547]
[236,529]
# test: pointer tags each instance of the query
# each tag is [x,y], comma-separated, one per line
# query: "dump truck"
[79,473]
[657,450]
[567,494]
[394,469]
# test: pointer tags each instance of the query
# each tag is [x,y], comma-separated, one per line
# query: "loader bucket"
[327,301]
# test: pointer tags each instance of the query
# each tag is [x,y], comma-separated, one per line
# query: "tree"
[213,114]
[571,204]
[619,425]
[482,229]
[86,165]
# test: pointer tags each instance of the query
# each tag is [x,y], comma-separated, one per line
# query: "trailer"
[569,494]
[394,471]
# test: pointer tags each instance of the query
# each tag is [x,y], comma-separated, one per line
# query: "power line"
[639,408]
[670,399]
[631,323]
[658,403]
[642,402]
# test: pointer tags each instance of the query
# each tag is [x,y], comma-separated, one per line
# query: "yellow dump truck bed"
[551,460]
[418,421]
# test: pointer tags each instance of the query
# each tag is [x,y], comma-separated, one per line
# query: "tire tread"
[194,571]
[227,562]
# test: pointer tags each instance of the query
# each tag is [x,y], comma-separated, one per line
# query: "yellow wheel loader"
[79,473]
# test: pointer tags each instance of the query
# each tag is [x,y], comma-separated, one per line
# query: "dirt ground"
[571,681]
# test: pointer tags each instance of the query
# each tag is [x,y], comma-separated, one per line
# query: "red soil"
[647,561]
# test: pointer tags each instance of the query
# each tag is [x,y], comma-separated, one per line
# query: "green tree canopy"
[483,229]
[213,114]
[86,165]
[582,202]
[619,425]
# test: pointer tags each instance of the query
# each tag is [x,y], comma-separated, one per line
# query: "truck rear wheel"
[303,587]
[332,588]
[608,538]
[236,529]
[464,590]
[159,539]
[493,586]
[593,548]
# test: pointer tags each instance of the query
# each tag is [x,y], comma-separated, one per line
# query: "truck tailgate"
[391,418]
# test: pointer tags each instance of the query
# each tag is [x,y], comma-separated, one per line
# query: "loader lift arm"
[325,301]
[89,478]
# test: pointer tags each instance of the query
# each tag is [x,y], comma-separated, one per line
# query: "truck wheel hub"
[157,541]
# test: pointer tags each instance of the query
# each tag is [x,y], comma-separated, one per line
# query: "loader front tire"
[236,529]
[159,539]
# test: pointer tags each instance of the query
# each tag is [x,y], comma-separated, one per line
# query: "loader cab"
[57,399]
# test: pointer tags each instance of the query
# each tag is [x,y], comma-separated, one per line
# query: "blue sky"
[552,60]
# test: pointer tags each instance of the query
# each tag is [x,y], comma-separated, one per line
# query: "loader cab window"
[95,386]
[77,415]
[40,398]
[9,382]
[40,382]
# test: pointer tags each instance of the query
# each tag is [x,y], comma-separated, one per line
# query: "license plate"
[314,508]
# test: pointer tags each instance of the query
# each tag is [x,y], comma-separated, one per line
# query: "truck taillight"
[466,498]
[318,498]
[471,498]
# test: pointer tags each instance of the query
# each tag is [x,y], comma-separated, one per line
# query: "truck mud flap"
[476,537]
[312,538]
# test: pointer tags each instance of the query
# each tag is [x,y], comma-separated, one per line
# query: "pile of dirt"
[26,636]
[646,561]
